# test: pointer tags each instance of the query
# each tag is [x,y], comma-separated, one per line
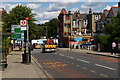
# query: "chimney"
[69,12]
[90,11]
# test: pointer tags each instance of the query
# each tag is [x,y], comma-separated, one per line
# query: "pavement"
[108,54]
[16,69]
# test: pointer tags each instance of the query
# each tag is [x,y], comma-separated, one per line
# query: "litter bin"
[26,59]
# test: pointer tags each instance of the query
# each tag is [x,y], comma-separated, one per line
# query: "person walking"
[113,47]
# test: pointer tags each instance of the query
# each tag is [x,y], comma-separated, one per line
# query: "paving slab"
[16,69]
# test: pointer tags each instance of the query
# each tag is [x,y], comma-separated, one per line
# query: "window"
[65,24]
[67,17]
[68,25]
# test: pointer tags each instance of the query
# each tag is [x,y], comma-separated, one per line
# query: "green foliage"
[113,28]
[36,32]
[15,15]
[103,39]
[117,39]
[52,27]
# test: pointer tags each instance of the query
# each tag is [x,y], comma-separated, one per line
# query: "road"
[68,64]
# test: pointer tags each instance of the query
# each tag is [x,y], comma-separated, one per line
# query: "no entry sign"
[23,23]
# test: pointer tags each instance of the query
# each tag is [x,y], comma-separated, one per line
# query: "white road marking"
[62,55]
[67,56]
[72,57]
[55,53]
[104,75]
[93,71]
[78,65]
[105,67]
[84,67]
[84,61]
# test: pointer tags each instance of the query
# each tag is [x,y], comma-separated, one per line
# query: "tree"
[36,32]
[113,28]
[52,27]
[15,15]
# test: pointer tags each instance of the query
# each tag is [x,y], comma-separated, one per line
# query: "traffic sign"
[13,28]
[19,39]
[16,36]
[27,18]
[23,28]
[18,30]
[23,23]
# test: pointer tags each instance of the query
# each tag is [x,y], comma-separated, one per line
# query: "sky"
[47,10]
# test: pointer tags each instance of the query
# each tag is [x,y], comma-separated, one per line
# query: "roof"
[113,11]
[105,12]
[63,11]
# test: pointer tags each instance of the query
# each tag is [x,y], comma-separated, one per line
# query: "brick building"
[75,24]
[106,17]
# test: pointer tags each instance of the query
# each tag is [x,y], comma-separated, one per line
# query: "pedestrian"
[113,48]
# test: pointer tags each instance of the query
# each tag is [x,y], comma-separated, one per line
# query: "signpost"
[16,30]
[27,55]
[23,24]
[16,36]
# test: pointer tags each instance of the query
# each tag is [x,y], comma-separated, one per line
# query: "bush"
[103,40]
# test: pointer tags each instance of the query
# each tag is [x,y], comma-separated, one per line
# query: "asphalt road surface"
[68,64]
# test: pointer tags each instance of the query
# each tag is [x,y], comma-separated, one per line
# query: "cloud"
[41,21]
[109,7]
[115,5]
[57,6]
[74,9]
[33,6]
[53,7]
[46,16]
[60,0]
[93,5]
[8,6]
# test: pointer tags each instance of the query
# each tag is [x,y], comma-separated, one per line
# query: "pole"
[27,31]
[27,54]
